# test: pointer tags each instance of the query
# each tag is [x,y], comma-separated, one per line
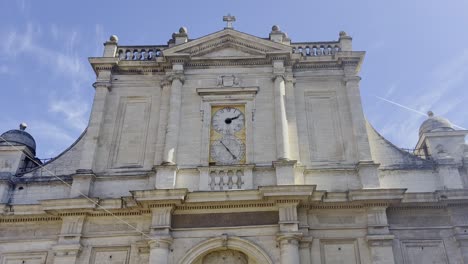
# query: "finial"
[430,113]
[275,28]
[183,30]
[343,34]
[229,19]
[114,39]
[23,126]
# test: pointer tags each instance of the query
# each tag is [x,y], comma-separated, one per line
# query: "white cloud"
[63,61]
[74,110]
[444,95]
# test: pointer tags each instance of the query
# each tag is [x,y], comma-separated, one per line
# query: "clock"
[227,150]
[227,134]
[228,120]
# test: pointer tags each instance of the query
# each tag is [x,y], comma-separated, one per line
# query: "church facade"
[231,148]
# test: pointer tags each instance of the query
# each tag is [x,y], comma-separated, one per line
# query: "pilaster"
[288,173]
[449,176]
[102,86]
[69,246]
[160,233]
[367,169]
[166,176]
[379,239]
[368,174]
[5,188]
[357,115]
[289,236]
[82,184]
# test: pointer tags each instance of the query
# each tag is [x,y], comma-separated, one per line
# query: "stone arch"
[254,252]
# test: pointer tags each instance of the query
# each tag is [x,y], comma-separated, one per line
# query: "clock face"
[227,150]
[228,120]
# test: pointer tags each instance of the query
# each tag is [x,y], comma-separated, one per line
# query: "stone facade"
[315,184]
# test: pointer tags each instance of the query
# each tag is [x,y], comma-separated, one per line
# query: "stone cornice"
[103,63]
[269,198]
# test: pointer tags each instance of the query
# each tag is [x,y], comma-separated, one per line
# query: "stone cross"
[229,19]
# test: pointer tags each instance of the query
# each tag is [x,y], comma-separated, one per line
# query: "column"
[163,113]
[289,248]
[281,123]
[159,250]
[282,136]
[160,232]
[68,247]
[173,119]
[379,239]
[95,122]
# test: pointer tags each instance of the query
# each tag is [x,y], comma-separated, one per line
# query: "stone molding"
[269,198]
[225,242]
[380,240]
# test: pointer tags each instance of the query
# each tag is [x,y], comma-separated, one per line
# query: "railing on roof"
[316,49]
[418,152]
[139,53]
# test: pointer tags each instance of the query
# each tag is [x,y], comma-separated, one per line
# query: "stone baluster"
[170,147]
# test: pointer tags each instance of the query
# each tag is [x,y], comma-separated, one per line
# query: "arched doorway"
[227,256]
[226,250]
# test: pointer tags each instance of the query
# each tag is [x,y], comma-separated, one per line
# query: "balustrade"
[136,53]
[226,179]
[315,49]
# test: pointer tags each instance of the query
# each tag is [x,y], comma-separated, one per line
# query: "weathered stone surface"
[317,184]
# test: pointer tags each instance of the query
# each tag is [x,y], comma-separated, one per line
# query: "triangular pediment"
[227,44]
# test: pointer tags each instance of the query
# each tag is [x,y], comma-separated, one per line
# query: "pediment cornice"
[235,44]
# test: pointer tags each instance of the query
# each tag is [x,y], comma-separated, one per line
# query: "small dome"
[434,124]
[18,137]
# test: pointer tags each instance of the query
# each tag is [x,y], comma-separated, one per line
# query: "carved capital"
[165,82]
[160,242]
[279,75]
[176,75]
[102,85]
[351,79]
[289,238]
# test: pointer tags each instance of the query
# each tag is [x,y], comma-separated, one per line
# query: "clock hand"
[228,150]
[229,120]
[236,117]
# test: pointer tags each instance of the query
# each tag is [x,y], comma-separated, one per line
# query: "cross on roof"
[229,19]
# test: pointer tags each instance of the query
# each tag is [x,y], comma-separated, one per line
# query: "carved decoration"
[228,81]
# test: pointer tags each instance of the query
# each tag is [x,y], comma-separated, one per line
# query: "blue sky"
[417,54]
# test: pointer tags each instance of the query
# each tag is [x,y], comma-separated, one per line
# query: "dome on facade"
[435,123]
[19,137]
